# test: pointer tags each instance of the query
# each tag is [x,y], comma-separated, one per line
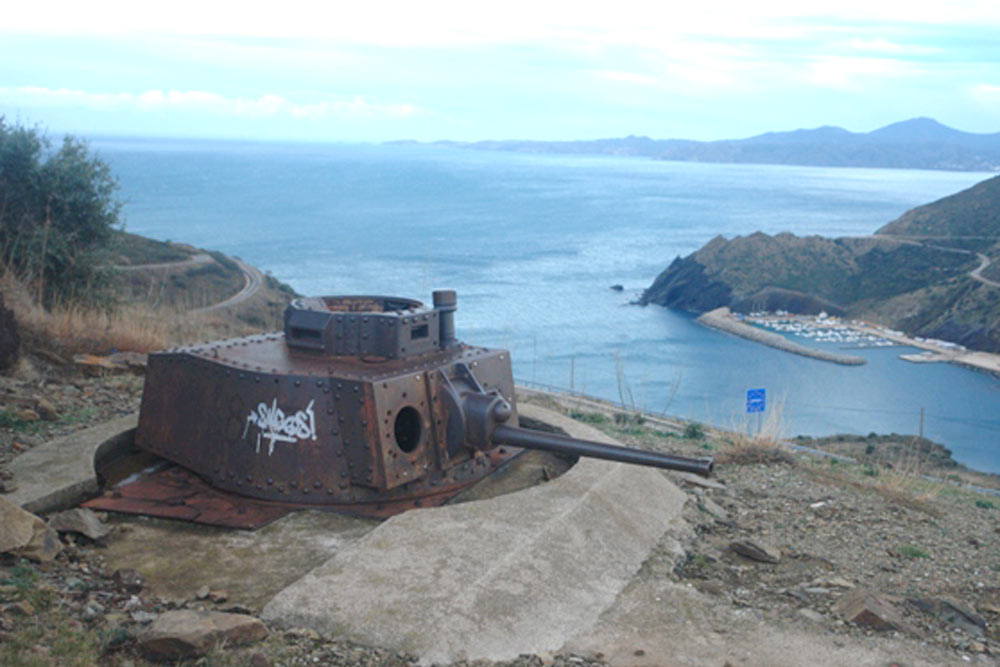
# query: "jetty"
[723,320]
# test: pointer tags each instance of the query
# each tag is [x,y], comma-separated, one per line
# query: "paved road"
[252,278]
[252,281]
[975,274]
[194,260]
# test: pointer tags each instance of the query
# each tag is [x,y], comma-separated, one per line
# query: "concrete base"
[178,558]
[60,473]
[492,579]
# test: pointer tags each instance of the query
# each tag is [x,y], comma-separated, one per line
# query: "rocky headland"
[931,273]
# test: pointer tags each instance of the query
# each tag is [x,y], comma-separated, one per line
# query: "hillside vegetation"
[914,274]
[73,281]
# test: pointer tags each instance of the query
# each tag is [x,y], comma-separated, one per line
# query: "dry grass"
[901,481]
[135,327]
[748,443]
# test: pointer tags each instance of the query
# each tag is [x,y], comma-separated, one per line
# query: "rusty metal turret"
[367,404]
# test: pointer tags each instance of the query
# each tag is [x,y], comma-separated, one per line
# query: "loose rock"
[46,410]
[79,520]
[24,534]
[867,608]
[954,613]
[185,633]
[129,580]
[755,550]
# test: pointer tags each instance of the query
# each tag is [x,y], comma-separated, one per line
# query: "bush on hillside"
[58,208]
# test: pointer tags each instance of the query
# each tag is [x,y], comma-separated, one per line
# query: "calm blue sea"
[532,244]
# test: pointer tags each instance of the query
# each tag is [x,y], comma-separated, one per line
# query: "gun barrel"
[552,442]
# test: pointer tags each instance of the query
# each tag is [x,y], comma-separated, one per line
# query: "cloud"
[205,102]
[459,22]
[619,76]
[986,92]
[848,73]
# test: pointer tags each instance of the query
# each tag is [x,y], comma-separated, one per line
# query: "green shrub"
[910,551]
[694,431]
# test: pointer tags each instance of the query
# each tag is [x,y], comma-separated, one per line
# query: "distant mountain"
[919,143]
[934,272]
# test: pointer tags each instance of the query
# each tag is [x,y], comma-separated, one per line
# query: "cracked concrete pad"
[494,578]
[60,473]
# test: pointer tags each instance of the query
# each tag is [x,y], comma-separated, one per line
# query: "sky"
[466,70]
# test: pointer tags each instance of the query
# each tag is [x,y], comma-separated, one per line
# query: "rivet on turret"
[317,485]
[270,480]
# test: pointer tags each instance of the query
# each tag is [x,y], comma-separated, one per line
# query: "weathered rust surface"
[366,404]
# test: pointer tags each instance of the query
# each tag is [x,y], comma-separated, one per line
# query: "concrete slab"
[495,578]
[60,473]
[178,558]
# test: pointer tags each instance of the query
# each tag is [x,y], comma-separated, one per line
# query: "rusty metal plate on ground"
[177,493]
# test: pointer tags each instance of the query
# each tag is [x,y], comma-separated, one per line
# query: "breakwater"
[722,319]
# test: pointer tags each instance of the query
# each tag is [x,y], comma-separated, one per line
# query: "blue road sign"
[756,400]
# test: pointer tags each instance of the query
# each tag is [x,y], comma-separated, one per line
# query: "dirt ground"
[927,548]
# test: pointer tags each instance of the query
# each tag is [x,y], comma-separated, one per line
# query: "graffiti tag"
[274,425]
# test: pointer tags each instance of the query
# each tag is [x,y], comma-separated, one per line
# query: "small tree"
[57,212]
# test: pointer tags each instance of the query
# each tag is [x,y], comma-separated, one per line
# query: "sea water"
[532,244]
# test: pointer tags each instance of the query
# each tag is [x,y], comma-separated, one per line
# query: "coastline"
[722,319]
[934,351]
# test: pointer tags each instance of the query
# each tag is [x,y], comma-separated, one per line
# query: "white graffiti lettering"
[274,426]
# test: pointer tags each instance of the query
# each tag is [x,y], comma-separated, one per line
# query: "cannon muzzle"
[560,444]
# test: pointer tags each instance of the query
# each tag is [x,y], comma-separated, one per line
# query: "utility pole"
[921,421]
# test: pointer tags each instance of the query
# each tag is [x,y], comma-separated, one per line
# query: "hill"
[929,273]
[918,143]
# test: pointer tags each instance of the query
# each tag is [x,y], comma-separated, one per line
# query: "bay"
[532,244]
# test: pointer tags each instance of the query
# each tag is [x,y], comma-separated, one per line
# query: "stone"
[704,482]
[128,580]
[303,633]
[713,508]
[203,593]
[811,615]
[218,596]
[26,535]
[21,608]
[185,633]
[756,550]
[141,616]
[79,520]
[834,582]
[46,410]
[866,608]
[954,613]
[260,660]
[27,415]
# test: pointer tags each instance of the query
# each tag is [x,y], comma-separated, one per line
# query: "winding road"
[253,279]
[975,274]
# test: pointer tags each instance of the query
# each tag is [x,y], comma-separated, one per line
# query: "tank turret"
[361,401]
